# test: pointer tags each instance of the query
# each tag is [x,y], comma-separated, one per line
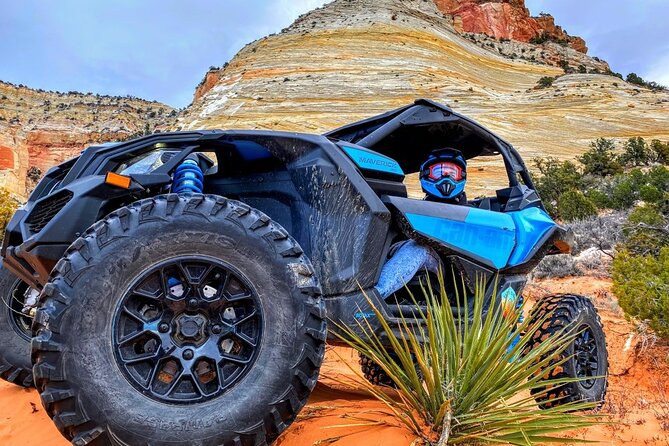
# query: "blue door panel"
[501,239]
[486,234]
[532,225]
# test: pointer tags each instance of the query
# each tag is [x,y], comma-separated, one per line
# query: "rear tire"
[82,362]
[587,355]
[374,373]
[15,365]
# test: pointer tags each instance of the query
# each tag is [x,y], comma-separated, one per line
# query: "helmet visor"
[439,171]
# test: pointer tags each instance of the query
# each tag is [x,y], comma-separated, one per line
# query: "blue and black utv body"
[179,266]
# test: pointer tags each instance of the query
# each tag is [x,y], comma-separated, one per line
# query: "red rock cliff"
[211,78]
[507,19]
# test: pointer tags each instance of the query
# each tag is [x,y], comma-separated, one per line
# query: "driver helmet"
[444,174]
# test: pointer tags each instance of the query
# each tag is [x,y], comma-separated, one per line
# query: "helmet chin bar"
[449,188]
[446,188]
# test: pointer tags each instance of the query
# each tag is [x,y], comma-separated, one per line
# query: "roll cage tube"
[372,131]
[522,169]
[416,114]
[513,167]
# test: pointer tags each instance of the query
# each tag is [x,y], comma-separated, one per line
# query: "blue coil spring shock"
[188,177]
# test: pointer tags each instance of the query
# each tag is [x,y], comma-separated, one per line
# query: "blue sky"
[161,49]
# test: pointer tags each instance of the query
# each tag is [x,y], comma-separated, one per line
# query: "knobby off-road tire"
[83,387]
[373,372]
[587,355]
[15,365]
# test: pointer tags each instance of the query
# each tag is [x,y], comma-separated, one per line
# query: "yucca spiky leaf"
[463,377]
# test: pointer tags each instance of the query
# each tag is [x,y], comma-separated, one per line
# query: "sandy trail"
[342,415]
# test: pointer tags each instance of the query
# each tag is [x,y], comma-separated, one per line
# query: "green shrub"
[635,79]
[7,207]
[556,177]
[34,174]
[540,38]
[602,181]
[641,284]
[645,231]
[546,82]
[582,69]
[573,205]
[637,152]
[659,151]
[564,64]
[623,194]
[655,86]
[600,160]
[651,194]
[658,176]
[637,178]
[599,199]
[614,74]
[647,215]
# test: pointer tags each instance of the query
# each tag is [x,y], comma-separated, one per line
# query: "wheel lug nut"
[163,328]
[216,329]
[192,302]
[188,354]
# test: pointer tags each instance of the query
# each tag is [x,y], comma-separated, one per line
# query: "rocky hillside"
[353,58]
[39,129]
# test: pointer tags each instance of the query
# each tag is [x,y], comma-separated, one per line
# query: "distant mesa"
[39,129]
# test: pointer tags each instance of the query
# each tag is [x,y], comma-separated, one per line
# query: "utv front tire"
[260,311]
[586,357]
[15,365]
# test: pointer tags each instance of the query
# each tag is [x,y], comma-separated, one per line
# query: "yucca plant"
[469,380]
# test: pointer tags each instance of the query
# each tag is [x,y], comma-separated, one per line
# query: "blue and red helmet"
[444,174]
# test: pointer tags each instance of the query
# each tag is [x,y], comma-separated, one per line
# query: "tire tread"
[559,311]
[59,395]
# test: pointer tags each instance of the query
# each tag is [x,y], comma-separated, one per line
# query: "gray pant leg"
[403,266]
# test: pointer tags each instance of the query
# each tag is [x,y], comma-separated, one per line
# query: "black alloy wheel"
[187,330]
[586,356]
[15,330]
[13,303]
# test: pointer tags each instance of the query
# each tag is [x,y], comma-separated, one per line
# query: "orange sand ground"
[342,415]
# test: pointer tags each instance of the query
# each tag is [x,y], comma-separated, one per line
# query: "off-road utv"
[186,278]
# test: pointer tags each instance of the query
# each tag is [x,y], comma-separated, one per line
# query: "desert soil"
[339,413]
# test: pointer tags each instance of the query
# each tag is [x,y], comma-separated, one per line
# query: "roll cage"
[395,134]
